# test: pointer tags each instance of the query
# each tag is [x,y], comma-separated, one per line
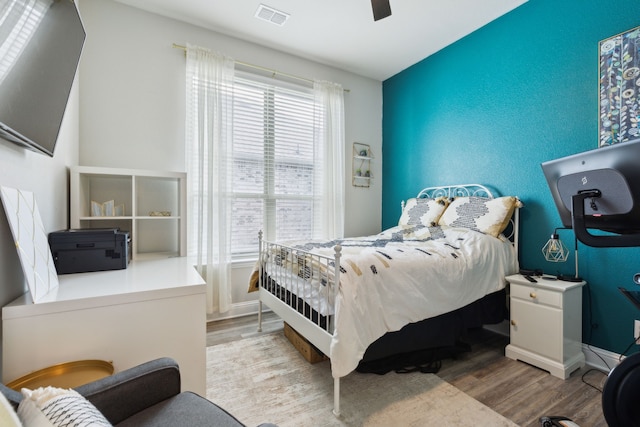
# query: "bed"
[415,286]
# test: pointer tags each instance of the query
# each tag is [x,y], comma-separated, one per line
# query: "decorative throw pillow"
[50,406]
[489,216]
[425,212]
[8,416]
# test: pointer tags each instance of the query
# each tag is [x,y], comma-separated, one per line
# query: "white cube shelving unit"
[153,202]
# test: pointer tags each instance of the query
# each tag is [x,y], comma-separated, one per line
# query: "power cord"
[588,383]
[626,349]
[591,328]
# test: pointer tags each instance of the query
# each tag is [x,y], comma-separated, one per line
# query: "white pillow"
[489,216]
[50,406]
[8,416]
[425,212]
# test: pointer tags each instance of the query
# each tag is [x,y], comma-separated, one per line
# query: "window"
[275,164]
[260,155]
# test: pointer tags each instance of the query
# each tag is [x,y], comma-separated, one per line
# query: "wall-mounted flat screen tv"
[40,46]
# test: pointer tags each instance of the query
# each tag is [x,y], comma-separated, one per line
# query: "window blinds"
[274,163]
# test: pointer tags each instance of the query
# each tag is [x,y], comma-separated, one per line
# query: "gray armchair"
[148,395]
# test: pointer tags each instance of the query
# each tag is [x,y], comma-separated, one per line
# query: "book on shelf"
[107,208]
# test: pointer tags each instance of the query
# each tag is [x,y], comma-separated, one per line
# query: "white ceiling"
[342,33]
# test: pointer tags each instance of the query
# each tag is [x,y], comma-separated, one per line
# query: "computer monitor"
[599,189]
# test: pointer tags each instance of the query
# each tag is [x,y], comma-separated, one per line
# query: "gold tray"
[64,375]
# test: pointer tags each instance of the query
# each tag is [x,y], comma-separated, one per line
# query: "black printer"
[91,249]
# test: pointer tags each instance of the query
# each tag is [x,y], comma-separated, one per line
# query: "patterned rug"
[263,378]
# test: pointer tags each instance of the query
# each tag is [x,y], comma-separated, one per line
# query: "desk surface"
[143,279]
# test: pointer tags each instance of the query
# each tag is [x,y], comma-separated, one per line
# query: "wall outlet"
[636,331]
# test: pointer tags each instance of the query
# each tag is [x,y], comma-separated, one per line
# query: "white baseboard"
[598,358]
[236,310]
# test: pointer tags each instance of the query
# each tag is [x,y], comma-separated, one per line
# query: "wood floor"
[518,391]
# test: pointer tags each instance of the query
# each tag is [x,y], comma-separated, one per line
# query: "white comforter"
[402,276]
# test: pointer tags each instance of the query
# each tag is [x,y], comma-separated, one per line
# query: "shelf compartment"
[103,188]
[159,237]
[157,195]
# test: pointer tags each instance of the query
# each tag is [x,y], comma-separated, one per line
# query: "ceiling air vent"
[272,15]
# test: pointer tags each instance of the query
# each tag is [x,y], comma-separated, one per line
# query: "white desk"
[153,308]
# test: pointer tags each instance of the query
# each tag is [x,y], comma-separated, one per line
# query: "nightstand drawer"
[536,295]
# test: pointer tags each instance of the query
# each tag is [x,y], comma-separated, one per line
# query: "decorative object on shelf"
[31,241]
[160,213]
[556,251]
[107,208]
[361,165]
[619,75]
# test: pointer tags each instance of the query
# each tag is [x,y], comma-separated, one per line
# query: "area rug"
[263,378]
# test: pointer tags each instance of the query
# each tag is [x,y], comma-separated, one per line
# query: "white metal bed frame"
[317,332]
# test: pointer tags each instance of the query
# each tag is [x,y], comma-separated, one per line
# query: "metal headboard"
[464,190]
[476,190]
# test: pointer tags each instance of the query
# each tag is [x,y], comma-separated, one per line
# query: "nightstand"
[546,324]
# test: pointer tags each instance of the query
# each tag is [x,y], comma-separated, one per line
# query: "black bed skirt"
[443,331]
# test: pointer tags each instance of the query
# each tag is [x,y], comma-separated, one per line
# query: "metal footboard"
[301,287]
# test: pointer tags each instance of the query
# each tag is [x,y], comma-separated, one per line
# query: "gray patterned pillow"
[489,216]
[424,212]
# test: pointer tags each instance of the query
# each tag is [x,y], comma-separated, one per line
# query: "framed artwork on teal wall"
[619,81]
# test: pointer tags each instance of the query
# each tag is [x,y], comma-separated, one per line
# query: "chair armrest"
[14,397]
[126,393]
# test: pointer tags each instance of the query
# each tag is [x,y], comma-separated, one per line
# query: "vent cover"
[272,15]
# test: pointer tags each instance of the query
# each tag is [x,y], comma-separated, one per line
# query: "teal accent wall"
[493,106]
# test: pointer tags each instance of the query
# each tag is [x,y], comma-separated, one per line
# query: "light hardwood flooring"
[518,391]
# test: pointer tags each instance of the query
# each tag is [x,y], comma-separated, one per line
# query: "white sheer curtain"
[209,114]
[329,102]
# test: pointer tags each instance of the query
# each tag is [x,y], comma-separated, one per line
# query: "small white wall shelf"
[361,165]
[151,205]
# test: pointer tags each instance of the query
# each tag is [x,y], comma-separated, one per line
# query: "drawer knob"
[513,323]
[533,295]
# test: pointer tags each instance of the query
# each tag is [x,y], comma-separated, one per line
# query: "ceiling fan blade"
[381,9]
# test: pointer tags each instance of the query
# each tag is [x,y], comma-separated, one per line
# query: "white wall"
[132,100]
[48,179]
